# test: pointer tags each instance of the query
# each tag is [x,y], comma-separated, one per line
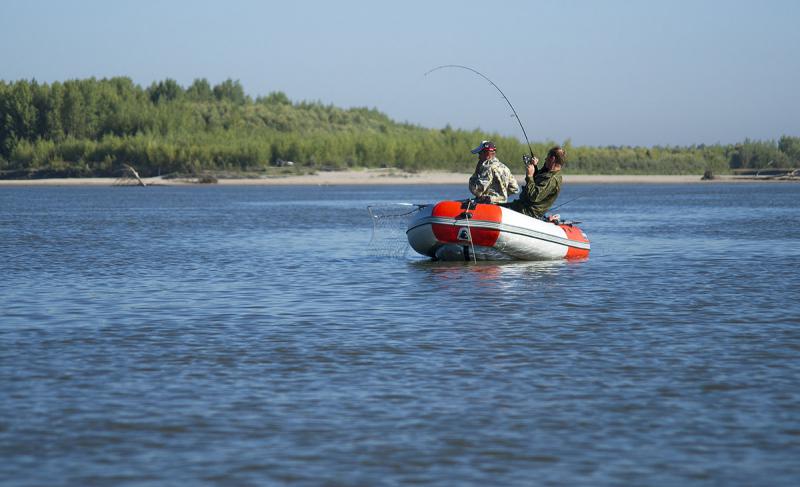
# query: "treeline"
[91,127]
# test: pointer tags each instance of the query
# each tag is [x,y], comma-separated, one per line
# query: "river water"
[248,336]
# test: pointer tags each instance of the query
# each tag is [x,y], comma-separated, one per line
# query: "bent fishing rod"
[497,88]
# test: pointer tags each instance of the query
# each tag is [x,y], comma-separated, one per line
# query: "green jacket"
[538,194]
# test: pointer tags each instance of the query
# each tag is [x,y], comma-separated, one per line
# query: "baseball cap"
[485,145]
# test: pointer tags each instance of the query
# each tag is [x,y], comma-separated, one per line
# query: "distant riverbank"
[374,177]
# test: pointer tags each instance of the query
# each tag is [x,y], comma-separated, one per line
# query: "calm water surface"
[248,336]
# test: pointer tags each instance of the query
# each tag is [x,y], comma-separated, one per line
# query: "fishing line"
[568,202]
[497,88]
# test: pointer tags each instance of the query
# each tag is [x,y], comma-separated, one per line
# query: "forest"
[91,127]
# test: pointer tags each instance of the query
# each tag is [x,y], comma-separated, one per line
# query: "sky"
[615,72]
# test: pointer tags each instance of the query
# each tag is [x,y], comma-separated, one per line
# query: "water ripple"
[246,336]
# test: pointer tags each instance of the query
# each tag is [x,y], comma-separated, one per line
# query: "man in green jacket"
[541,186]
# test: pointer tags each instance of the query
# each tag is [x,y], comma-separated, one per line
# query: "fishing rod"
[568,202]
[497,88]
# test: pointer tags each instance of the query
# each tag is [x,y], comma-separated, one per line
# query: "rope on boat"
[469,232]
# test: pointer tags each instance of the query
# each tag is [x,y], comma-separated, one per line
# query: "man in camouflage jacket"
[492,181]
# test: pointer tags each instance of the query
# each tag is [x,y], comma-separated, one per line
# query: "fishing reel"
[528,160]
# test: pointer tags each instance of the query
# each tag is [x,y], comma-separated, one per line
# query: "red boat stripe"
[457,210]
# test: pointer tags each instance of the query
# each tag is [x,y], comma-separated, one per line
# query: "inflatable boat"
[465,230]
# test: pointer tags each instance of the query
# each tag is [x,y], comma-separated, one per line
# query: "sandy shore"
[372,177]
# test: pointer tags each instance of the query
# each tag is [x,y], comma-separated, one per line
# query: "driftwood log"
[132,172]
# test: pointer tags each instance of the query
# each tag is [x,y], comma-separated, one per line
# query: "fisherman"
[541,185]
[492,181]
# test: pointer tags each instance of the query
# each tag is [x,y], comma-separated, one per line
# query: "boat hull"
[462,230]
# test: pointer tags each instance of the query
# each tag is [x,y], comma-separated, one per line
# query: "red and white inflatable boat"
[464,230]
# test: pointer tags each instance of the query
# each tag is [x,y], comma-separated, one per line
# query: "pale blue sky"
[598,72]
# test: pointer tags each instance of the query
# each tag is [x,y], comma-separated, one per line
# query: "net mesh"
[389,224]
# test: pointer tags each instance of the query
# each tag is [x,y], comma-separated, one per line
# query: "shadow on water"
[489,269]
[495,278]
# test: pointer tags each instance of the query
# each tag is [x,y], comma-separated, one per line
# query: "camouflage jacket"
[493,181]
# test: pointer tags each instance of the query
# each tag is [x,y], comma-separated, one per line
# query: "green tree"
[51,115]
[275,98]
[200,90]
[73,116]
[231,91]
[790,146]
[165,91]
[18,115]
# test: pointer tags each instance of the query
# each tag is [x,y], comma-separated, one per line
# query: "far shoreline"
[381,177]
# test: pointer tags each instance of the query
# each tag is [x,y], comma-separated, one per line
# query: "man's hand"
[530,168]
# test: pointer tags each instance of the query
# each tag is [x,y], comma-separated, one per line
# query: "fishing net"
[389,224]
